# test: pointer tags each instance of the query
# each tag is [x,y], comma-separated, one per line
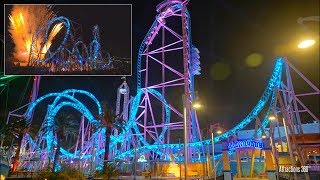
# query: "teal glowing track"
[268,93]
[131,125]
[53,109]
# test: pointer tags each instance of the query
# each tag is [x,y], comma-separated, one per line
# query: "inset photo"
[68,39]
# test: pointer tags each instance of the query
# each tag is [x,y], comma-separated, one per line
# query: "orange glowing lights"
[25,20]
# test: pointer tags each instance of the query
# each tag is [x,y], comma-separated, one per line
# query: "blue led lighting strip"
[94,49]
[142,46]
[53,110]
[66,23]
[274,82]
[59,95]
[85,50]
[132,121]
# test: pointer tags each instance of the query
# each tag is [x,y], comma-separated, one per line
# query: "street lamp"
[214,162]
[196,105]
[219,131]
[306,43]
[272,117]
[263,136]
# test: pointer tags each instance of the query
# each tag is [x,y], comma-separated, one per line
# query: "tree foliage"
[109,171]
[66,173]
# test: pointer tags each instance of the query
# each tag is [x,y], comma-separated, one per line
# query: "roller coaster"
[72,54]
[151,118]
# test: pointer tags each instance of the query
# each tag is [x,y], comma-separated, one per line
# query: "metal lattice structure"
[151,117]
[146,125]
[71,54]
[123,91]
[151,137]
[38,152]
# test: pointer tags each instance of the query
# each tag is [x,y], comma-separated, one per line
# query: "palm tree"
[110,121]
[109,171]
[65,126]
[16,129]
[67,173]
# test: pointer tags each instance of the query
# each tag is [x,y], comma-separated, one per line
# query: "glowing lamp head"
[272,117]
[219,131]
[196,105]
[306,43]
[263,136]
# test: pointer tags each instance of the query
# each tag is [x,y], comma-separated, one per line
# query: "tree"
[109,171]
[65,126]
[67,173]
[15,129]
[110,121]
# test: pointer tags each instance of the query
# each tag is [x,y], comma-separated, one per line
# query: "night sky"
[225,32]
[114,24]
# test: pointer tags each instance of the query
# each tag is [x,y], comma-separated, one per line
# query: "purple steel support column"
[187,103]
[82,132]
[151,112]
[291,96]
[163,77]
[288,124]
[155,49]
[146,92]
[35,91]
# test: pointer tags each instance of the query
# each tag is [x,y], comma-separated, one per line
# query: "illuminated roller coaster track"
[91,56]
[134,140]
[269,93]
[143,127]
[191,68]
[42,148]
[35,51]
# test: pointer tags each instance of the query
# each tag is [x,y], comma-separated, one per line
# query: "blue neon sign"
[245,144]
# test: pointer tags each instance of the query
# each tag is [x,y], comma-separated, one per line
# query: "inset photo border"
[68,39]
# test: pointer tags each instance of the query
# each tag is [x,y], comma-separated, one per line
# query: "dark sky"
[225,31]
[114,24]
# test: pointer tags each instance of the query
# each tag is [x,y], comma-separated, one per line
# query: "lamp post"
[213,160]
[185,142]
[310,41]
[273,118]
[196,105]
